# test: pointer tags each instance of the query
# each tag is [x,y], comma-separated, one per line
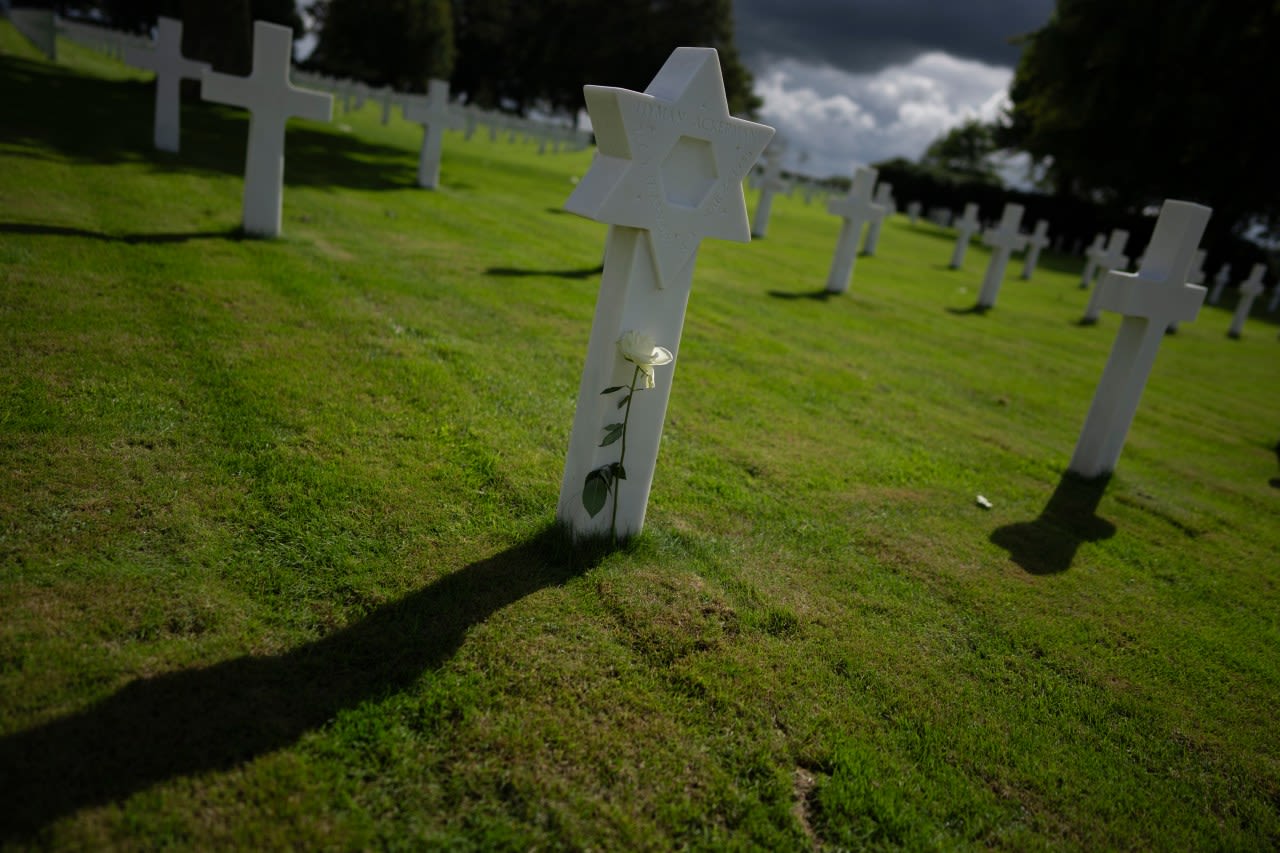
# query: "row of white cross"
[668,174]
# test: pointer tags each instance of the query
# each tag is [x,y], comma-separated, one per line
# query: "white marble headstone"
[1150,299]
[855,210]
[966,226]
[770,183]
[1003,241]
[1249,290]
[433,113]
[668,175]
[271,101]
[1093,259]
[1112,258]
[1038,240]
[1220,281]
[171,68]
[884,198]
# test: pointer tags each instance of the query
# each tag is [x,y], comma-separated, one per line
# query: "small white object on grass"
[983,502]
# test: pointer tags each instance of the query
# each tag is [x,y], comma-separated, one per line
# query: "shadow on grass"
[55,111]
[979,310]
[215,718]
[1048,545]
[817,295]
[131,239]
[514,272]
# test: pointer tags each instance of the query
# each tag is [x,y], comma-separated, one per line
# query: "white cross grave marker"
[271,101]
[1249,290]
[1002,240]
[967,226]
[1112,258]
[1195,276]
[771,182]
[913,211]
[668,175]
[171,68]
[1220,281]
[433,113]
[855,209]
[1093,258]
[1035,244]
[884,198]
[1150,300]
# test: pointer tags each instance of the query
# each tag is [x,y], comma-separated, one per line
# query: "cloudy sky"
[850,82]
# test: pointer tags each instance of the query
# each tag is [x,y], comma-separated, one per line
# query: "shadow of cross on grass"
[218,717]
[1049,544]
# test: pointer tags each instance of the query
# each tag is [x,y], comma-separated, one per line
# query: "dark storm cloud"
[867,35]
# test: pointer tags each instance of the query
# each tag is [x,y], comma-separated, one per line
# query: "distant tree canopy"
[1134,102]
[515,54]
[965,151]
[397,43]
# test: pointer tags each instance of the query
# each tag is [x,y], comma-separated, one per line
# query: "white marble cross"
[1150,300]
[1093,258]
[1112,258]
[884,198]
[967,226]
[1035,244]
[388,97]
[1220,281]
[1003,240]
[271,101]
[668,174]
[855,209]
[771,182]
[1194,276]
[171,68]
[434,114]
[913,211]
[1249,290]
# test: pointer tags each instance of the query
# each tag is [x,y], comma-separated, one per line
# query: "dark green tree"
[517,55]
[965,150]
[397,43]
[1134,102]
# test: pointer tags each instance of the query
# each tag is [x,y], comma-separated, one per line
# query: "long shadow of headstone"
[215,718]
[1049,544]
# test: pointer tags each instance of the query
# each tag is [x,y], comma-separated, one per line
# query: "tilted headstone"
[433,113]
[171,68]
[1003,240]
[1249,290]
[855,210]
[966,226]
[1112,258]
[913,211]
[1150,300]
[1194,276]
[770,182]
[1093,259]
[1220,281]
[271,101]
[1036,243]
[884,198]
[668,175]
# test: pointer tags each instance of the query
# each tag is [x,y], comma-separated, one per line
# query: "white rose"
[640,349]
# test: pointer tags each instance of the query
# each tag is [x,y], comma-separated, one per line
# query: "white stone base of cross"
[271,100]
[1150,299]
[668,174]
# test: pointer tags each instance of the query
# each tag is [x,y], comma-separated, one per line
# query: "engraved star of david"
[671,160]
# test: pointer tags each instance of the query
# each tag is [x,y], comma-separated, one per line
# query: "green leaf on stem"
[624,401]
[611,389]
[619,472]
[612,434]
[595,491]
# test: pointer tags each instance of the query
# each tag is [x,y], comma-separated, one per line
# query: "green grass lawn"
[278,567]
